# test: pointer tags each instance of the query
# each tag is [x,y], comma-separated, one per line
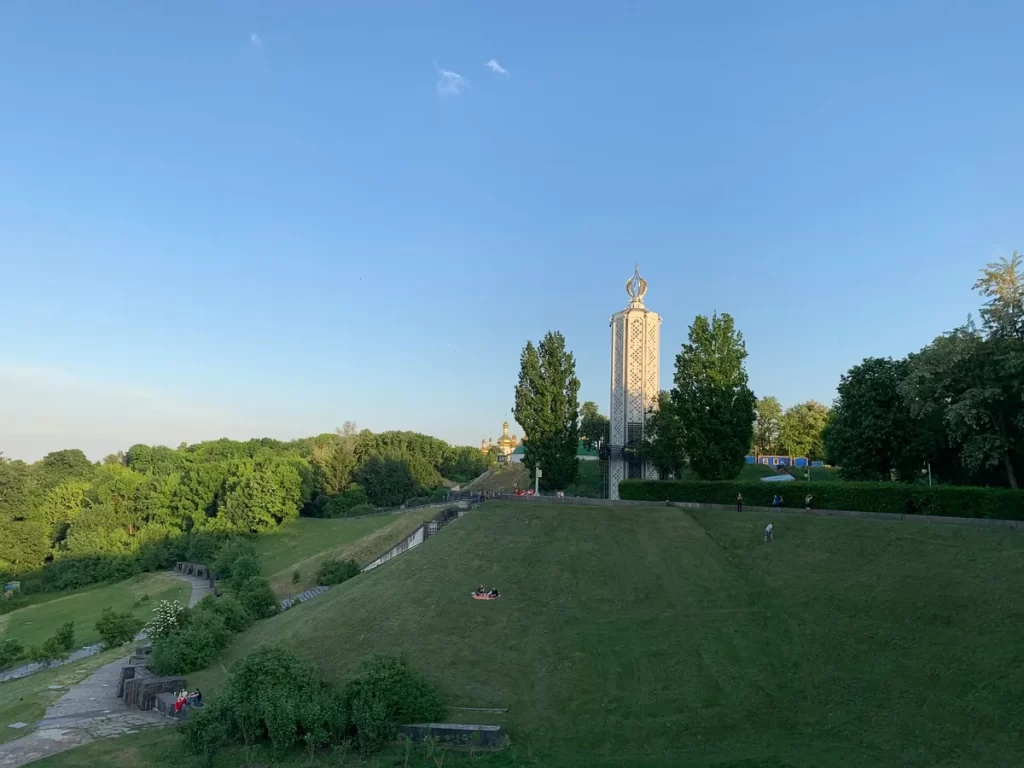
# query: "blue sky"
[247,218]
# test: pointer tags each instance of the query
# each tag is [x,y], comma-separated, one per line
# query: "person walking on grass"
[739,502]
[768,533]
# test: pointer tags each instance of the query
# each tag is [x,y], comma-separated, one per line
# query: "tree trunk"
[1008,463]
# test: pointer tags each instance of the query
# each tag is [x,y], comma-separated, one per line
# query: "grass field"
[655,637]
[26,699]
[35,623]
[304,544]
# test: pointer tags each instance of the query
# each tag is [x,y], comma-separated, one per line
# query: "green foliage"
[65,636]
[711,400]
[56,647]
[257,597]
[872,430]
[335,571]
[767,426]
[243,569]
[11,650]
[233,550]
[388,481]
[236,617]
[296,577]
[191,647]
[270,695]
[117,628]
[801,430]
[895,498]
[362,509]
[342,504]
[594,428]
[662,443]
[547,407]
[389,691]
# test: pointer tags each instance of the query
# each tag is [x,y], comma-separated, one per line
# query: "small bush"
[65,636]
[387,692]
[232,550]
[336,571]
[206,730]
[192,647]
[243,569]
[116,629]
[296,577]
[362,509]
[50,650]
[257,598]
[894,498]
[11,650]
[236,618]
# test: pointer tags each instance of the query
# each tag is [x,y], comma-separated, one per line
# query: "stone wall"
[451,513]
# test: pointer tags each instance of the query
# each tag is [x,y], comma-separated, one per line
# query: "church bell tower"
[634,385]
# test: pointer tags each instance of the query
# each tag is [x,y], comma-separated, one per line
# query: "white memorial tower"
[635,332]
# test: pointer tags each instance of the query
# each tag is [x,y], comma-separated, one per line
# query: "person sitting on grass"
[479,590]
[180,701]
[493,593]
[195,699]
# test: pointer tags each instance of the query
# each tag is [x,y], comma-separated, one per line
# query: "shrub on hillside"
[193,646]
[417,501]
[232,550]
[257,598]
[65,636]
[389,691]
[362,509]
[229,608]
[243,569]
[336,571]
[116,628]
[271,695]
[895,498]
[11,650]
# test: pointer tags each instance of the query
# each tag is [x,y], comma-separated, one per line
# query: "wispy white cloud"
[496,68]
[256,41]
[450,83]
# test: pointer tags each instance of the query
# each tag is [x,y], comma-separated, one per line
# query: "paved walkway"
[90,710]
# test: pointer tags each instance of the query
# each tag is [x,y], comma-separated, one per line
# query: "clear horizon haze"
[252,219]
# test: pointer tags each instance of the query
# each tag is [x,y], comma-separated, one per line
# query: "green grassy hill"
[35,623]
[302,545]
[657,637]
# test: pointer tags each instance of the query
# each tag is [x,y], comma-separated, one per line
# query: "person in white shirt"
[768,533]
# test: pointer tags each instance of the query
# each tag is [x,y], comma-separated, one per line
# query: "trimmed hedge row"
[896,498]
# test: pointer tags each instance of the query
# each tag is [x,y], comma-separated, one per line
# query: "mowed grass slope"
[656,637]
[35,623]
[307,542]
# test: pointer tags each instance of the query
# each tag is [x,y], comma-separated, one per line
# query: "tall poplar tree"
[711,399]
[547,407]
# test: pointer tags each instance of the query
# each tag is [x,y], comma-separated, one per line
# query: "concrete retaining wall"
[453,511]
[980,522]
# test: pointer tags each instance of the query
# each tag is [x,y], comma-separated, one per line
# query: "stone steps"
[309,594]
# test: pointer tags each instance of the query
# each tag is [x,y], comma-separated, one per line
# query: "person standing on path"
[739,502]
[807,501]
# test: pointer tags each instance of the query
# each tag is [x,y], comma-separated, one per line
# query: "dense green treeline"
[64,508]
